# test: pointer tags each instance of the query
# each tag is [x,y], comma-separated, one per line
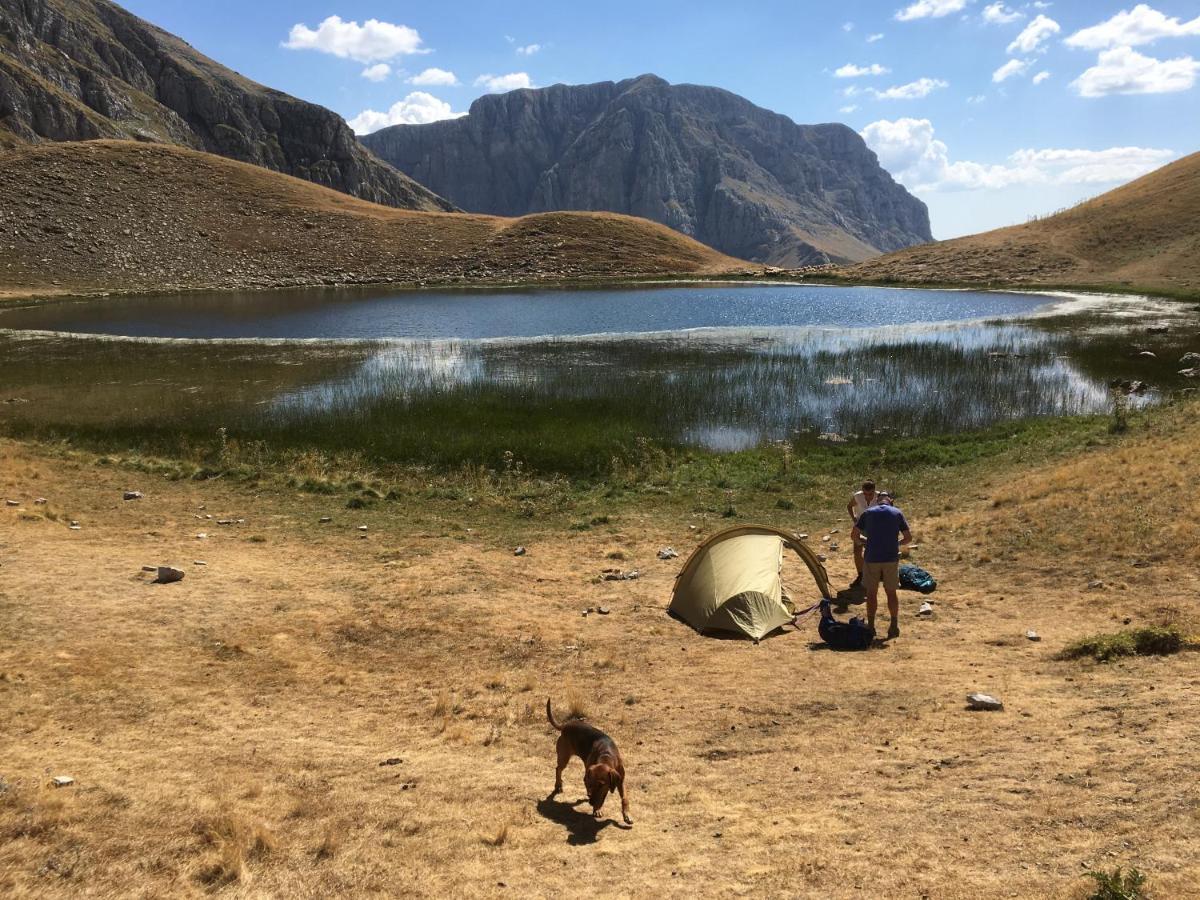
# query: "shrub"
[1118,885]
[1150,641]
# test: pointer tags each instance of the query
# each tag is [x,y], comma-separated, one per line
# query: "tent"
[733,582]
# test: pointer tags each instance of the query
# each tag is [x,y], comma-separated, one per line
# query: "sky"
[991,112]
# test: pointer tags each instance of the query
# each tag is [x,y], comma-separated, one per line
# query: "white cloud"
[847,26]
[977,98]
[1034,34]
[377,72]
[418,108]
[999,14]
[528,49]
[909,150]
[1040,77]
[850,91]
[1009,69]
[929,9]
[1123,70]
[872,38]
[370,42]
[498,84]
[848,109]
[914,90]
[435,77]
[1141,25]
[849,70]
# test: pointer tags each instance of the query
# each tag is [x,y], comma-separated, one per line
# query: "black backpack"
[853,635]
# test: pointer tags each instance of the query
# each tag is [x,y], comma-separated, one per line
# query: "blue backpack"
[853,635]
[914,578]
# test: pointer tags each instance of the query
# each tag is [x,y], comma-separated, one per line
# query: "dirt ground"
[321,710]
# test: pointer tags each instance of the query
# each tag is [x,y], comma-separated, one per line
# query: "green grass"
[1148,641]
[1118,884]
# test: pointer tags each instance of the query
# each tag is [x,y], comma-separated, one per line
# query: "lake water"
[569,380]
[475,314]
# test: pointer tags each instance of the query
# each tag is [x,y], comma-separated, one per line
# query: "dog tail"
[550,716]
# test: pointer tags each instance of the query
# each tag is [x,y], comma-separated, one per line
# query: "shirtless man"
[859,504]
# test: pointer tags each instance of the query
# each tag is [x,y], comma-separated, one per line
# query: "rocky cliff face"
[710,164]
[81,69]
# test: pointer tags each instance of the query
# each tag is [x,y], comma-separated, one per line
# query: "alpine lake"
[571,381]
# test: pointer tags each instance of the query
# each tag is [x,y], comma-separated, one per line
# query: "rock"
[603,610]
[926,609]
[519,551]
[698,159]
[1148,354]
[224,521]
[199,562]
[1096,585]
[202,536]
[821,557]
[1159,328]
[803,537]
[149,568]
[40,501]
[75,526]
[392,761]
[12,502]
[169,575]
[362,528]
[1190,373]
[1033,635]
[983,701]
[826,539]
[619,575]
[60,781]
[1141,563]
[667,553]
[324,520]
[833,546]
[133,495]
[1189,359]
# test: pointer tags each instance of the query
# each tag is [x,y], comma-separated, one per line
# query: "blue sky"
[990,112]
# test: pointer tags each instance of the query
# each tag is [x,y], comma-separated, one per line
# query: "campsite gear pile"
[733,582]
[853,635]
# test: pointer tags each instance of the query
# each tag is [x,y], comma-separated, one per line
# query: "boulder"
[977,700]
[168,575]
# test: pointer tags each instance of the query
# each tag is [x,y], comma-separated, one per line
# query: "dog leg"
[564,756]
[624,802]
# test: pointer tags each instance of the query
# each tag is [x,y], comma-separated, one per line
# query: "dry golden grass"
[303,717]
[1140,236]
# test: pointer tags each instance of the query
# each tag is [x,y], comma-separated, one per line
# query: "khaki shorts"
[888,573]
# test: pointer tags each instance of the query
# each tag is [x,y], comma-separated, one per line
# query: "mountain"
[1144,235]
[79,69]
[706,162]
[91,216]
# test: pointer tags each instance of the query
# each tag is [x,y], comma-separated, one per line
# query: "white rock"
[40,501]
[925,610]
[12,502]
[133,495]
[667,553]
[519,551]
[62,781]
[199,562]
[1033,635]
[977,700]
[362,527]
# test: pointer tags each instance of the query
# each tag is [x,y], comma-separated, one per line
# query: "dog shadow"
[582,827]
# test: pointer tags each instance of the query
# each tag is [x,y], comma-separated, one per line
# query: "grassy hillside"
[125,216]
[1142,236]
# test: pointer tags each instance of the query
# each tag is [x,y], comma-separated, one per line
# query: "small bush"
[1151,641]
[1118,885]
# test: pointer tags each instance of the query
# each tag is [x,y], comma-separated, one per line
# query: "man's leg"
[871,585]
[858,563]
[891,585]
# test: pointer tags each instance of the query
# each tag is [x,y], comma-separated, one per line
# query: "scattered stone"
[362,527]
[926,609]
[199,562]
[667,553]
[224,521]
[75,526]
[619,575]
[691,528]
[1190,373]
[40,501]
[1141,563]
[12,502]
[519,551]
[133,495]
[149,568]
[833,546]
[802,536]
[392,761]
[1033,635]
[826,539]
[324,520]
[1189,359]
[1160,328]
[202,536]
[1096,585]
[834,530]
[983,701]
[168,575]
[821,557]
[1148,354]
[603,610]
[61,781]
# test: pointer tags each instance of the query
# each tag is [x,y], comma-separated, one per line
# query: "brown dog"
[603,771]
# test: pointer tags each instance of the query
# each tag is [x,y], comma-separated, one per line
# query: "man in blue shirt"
[884,531]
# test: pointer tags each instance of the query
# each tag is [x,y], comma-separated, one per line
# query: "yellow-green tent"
[733,582]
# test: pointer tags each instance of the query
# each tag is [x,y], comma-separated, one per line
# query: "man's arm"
[850,510]
[905,537]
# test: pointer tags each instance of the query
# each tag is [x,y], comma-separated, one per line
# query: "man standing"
[884,531]
[859,504]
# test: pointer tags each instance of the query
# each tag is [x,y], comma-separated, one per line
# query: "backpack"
[853,635]
[914,578]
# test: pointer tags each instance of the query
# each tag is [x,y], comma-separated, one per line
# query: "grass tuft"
[1118,884]
[1149,641]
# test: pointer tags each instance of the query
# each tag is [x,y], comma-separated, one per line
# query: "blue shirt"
[882,526]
